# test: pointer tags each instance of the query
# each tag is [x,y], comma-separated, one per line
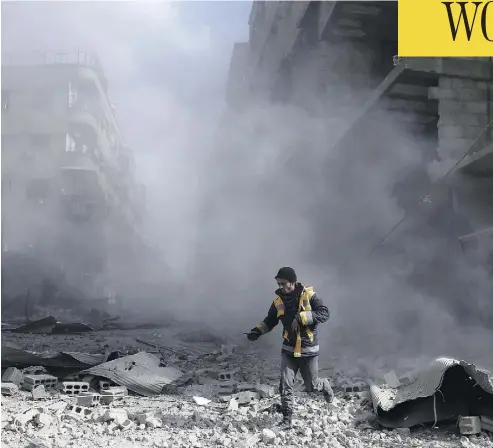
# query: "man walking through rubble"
[300,310]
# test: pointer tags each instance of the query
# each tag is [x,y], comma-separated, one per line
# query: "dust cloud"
[232,196]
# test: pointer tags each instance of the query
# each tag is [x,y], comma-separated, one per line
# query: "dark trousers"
[308,367]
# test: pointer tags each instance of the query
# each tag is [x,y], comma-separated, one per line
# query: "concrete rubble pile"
[209,395]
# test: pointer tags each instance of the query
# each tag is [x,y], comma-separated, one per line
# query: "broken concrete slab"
[9,388]
[13,375]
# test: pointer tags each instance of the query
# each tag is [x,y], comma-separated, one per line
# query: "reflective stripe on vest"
[304,305]
[279,304]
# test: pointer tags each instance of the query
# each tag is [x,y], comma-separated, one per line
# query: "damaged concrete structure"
[69,193]
[338,62]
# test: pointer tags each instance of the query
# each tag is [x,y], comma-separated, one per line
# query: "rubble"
[9,388]
[39,392]
[190,414]
[12,375]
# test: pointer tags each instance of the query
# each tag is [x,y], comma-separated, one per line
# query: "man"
[300,310]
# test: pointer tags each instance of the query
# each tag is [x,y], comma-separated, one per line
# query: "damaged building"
[338,62]
[71,206]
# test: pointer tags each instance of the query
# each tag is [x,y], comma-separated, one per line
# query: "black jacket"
[290,304]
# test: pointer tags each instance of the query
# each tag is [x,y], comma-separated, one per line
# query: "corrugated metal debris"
[139,373]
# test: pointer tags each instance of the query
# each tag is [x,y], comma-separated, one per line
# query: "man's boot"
[287,421]
[328,392]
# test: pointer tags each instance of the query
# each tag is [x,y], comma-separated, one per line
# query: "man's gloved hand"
[254,334]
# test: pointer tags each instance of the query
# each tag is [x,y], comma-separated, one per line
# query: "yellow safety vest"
[304,305]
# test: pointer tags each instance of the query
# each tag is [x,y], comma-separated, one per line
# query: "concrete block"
[469,425]
[38,393]
[78,412]
[31,381]
[12,375]
[105,384]
[75,387]
[113,393]
[9,388]
[88,399]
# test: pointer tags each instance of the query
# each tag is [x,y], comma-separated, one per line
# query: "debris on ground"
[208,394]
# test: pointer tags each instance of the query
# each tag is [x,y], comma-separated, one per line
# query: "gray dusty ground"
[349,422]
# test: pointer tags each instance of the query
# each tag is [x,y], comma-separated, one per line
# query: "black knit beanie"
[288,274]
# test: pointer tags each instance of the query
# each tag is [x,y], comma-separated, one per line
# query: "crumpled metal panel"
[139,373]
[427,383]
[17,357]
[90,359]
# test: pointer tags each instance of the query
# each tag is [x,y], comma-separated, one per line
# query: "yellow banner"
[445,29]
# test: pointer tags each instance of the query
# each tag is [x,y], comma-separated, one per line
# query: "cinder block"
[105,384]
[225,376]
[113,393]
[9,388]
[78,412]
[31,381]
[469,425]
[13,375]
[88,399]
[75,387]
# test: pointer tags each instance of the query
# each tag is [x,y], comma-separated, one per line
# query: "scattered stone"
[268,436]
[403,431]
[38,393]
[201,401]
[13,375]
[9,389]
[116,415]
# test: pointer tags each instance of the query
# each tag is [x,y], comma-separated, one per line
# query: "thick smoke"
[232,196]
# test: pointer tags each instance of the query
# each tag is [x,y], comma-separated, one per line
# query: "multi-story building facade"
[69,196]
[338,62]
